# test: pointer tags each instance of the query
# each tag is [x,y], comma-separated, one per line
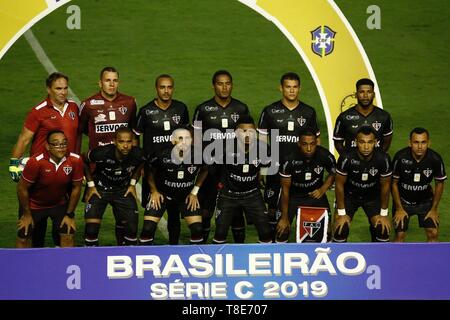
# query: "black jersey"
[240,176]
[363,177]
[174,179]
[110,173]
[414,177]
[210,115]
[349,121]
[290,124]
[157,124]
[307,173]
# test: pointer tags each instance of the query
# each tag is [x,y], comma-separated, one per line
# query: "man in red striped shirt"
[44,188]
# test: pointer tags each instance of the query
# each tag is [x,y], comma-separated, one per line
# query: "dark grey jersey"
[414,177]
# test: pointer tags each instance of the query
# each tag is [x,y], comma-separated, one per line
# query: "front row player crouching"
[414,169]
[174,181]
[302,181]
[363,180]
[43,191]
[117,168]
[239,185]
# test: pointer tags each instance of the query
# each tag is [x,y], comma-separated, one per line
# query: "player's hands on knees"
[340,221]
[399,218]
[384,221]
[192,202]
[70,223]
[131,190]
[90,192]
[156,199]
[316,194]
[283,226]
[433,215]
[25,221]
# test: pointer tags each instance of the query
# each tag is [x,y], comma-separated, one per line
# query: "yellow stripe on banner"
[17,16]
[335,73]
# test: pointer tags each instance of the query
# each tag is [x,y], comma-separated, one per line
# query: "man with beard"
[364,113]
[156,121]
[363,179]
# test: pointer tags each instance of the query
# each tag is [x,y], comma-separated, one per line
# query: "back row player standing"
[218,115]
[156,121]
[290,117]
[101,115]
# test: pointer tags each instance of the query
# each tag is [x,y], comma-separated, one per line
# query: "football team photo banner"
[229,272]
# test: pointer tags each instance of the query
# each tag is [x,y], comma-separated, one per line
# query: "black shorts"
[371,207]
[207,195]
[228,208]
[39,215]
[306,201]
[124,208]
[419,209]
[173,206]
[272,191]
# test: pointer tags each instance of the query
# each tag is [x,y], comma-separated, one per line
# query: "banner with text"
[238,272]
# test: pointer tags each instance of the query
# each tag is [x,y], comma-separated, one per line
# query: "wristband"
[341,212]
[194,190]
[71,215]
[91,184]
[14,162]
[384,212]
[133,182]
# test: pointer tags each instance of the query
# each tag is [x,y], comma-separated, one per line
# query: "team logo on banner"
[67,170]
[123,110]
[235,117]
[176,118]
[312,224]
[322,42]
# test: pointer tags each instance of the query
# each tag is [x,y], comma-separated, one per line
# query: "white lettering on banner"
[203,265]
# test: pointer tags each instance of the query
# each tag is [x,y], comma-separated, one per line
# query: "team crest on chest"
[256,162]
[373,171]
[376,125]
[67,170]
[72,115]
[191,169]
[318,169]
[234,117]
[176,118]
[123,110]
[427,172]
[301,121]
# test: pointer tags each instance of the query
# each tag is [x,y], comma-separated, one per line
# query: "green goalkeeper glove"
[14,169]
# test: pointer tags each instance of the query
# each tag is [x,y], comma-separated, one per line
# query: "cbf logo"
[322,42]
